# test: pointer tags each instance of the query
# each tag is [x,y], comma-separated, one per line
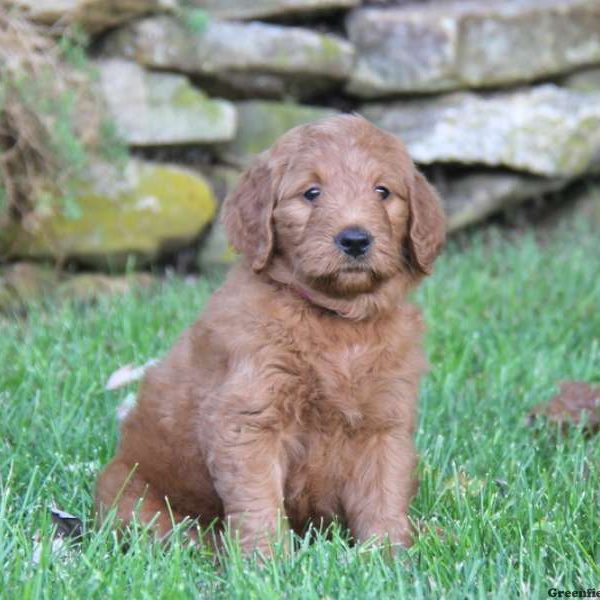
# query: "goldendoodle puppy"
[293,398]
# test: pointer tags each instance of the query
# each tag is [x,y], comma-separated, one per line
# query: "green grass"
[519,507]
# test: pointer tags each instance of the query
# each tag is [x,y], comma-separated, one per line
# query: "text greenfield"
[589,593]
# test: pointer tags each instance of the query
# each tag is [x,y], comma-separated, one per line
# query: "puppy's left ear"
[247,214]
[427,224]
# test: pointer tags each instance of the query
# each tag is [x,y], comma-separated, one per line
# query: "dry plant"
[52,122]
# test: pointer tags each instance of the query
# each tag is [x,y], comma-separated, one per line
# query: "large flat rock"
[262,122]
[257,9]
[218,49]
[141,212]
[153,109]
[91,15]
[468,43]
[471,198]
[545,130]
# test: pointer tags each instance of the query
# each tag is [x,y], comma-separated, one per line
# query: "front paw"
[264,535]
[396,534]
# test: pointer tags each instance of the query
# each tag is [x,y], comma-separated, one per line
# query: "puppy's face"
[341,204]
[342,211]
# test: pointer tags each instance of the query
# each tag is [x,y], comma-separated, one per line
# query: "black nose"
[353,241]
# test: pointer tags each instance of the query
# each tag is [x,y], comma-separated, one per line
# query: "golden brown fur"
[294,394]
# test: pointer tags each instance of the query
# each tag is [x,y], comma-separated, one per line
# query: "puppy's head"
[341,204]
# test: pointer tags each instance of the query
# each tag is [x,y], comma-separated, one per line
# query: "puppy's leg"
[248,475]
[120,487]
[376,496]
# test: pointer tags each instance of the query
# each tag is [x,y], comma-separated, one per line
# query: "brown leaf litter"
[577,403]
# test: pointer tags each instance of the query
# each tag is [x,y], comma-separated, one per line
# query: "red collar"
[306,295]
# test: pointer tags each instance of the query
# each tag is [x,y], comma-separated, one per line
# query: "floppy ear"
[427,224]
[247,214]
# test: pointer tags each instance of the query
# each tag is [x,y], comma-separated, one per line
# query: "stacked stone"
[499,97]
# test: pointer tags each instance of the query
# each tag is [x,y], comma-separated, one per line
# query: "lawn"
[504,509]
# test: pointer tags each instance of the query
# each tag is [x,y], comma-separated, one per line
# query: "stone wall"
[500,99]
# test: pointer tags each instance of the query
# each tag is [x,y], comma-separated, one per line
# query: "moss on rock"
[153,109]
[147,210]
[261,122]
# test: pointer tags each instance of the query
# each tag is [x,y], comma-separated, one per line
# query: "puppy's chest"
[345,383]
[346,369]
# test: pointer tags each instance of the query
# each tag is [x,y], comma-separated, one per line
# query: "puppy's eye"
[312,193]
[382,191]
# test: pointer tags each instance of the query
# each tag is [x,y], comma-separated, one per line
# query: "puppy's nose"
[353,241]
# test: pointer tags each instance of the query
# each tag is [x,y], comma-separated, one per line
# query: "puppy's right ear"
[247,214]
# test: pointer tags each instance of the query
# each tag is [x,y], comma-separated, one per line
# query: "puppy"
[292,399]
